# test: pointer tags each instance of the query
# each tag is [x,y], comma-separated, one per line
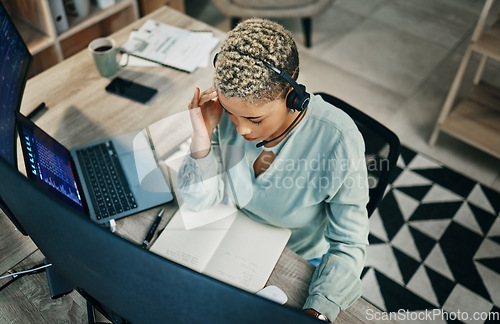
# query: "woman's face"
[257,122]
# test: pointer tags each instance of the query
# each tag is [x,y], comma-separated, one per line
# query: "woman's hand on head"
[210,110]
[205,113]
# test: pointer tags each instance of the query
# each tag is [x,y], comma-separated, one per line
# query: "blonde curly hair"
[239,69]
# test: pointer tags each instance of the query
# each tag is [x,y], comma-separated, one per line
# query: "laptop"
[107,179]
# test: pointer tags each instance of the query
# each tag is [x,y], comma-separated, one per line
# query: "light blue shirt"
[317,187]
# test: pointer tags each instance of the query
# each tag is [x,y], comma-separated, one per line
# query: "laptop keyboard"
[110,192]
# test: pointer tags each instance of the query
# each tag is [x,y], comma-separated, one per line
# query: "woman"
[307,171]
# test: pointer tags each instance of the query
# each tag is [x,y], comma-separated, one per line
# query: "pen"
[36,110]
[153,228]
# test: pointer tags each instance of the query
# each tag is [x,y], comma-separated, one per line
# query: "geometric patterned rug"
[434,246]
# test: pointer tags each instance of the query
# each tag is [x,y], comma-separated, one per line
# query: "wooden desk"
[80,111]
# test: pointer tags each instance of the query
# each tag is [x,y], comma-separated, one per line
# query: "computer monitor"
[15,60]
[129,281]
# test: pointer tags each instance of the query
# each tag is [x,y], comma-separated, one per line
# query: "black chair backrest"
[382,149]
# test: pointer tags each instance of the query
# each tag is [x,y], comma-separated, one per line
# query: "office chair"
[381,149]
[305,9]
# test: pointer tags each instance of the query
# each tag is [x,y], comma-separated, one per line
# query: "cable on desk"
[17,275]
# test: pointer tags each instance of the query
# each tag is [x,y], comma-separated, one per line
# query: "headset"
[297,99]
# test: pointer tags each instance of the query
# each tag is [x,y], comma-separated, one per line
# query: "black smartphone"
[131,90]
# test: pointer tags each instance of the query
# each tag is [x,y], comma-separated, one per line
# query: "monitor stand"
[58,287]
[97,311]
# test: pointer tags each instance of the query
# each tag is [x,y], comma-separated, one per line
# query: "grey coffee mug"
[105,52]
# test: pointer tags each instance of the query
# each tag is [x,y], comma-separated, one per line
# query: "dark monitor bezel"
[132,282]
[24,74]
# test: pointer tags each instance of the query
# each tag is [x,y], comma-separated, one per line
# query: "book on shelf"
[171,46]
[103,4]
[235,249]
[59,15]
[77,8]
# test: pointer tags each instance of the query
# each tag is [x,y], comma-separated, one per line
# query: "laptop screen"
[49,164]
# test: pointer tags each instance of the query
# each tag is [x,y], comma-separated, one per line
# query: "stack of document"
[171,46]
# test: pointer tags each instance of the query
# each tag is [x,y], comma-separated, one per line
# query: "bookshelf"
[148,6]
[36,24]
[475,119]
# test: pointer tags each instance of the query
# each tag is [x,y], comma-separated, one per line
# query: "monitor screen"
[15,60]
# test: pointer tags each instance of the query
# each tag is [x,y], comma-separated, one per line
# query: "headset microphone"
[286,131]
[297,99]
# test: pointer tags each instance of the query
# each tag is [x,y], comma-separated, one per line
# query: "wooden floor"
[27,300]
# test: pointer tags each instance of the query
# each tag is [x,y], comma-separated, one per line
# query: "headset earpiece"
[296,101]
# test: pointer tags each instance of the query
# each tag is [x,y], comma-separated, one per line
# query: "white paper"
[248,254]
[193,248]
[134,60]
[170,45]
[194,219]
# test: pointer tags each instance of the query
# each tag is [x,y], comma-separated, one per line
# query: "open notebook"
[235,249]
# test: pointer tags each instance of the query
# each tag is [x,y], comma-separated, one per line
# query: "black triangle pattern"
[495,238]
[493,197]
[417,192]
[396,297]
[442,285]
[407,265]
[424,243]
[395,175]
[492,263]
[365,270]
[441,210]
[483,218]
[391,215]
[375,240]
[449,179]
[407,155]
[458,243]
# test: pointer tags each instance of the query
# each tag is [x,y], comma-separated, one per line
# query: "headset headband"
[284,75]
